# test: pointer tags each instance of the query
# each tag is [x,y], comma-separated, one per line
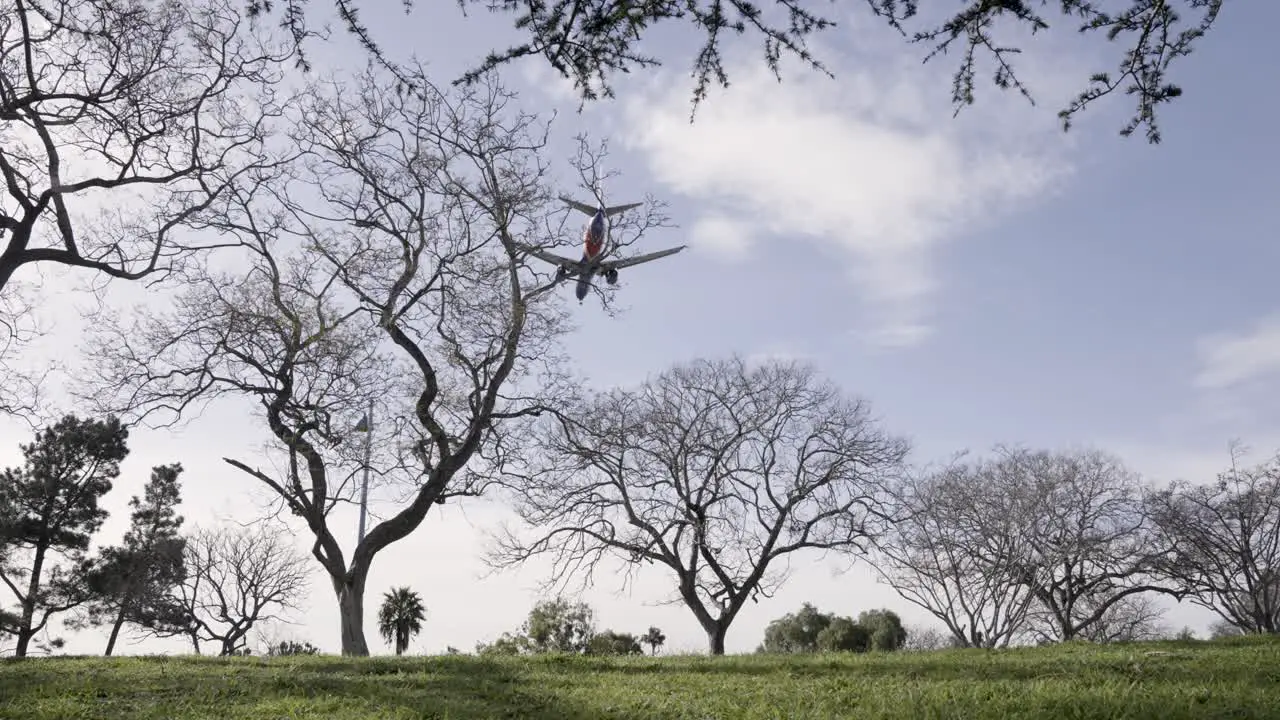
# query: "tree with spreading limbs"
[1027,543]
[953,552]
[590,41]
[118,123]
[716,470]
[387,261]
[131,582]
[1225,537]
[51,509]
[1090,540]
[235,579]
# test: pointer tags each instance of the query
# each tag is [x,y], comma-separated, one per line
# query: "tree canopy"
[51,511]
[715,470]
[590,42]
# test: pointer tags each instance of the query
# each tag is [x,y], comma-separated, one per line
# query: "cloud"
[779,352]
[725,237]
[872,164]
[538,76]
[1228,359]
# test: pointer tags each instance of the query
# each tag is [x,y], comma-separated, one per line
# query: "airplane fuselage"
[594,236]
[593,246]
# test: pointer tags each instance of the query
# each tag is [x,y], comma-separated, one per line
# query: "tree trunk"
[25,632]
[115,628]
[350,591]
[715,639]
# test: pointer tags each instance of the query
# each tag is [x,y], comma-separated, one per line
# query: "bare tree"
[1091,539]
[118,122]
[236,579]
[953,552]
[408,283]
[928,638]
[1028,542]
[1134,618]
[717,470]
[1226,540]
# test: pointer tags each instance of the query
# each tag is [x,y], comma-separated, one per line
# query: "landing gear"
[611,276]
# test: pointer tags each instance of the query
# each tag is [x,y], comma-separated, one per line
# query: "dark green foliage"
[885,628]
[553,626]
[51,509]
[796,632]
[654,638]
[506,644]
[132,582]
[400,617]
[844,635]
[810,630]
[590,41]
[610,642]
[291,648]
[558,625]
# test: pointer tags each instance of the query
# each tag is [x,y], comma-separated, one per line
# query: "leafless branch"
[118,124]
[952,553]
[717,470]
[237,579]
[1226,536]
[384,261]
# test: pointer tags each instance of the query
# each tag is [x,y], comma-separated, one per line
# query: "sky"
[979,279]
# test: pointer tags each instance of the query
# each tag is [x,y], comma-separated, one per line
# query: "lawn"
[1237,678]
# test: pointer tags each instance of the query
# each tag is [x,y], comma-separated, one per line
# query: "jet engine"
[611,276]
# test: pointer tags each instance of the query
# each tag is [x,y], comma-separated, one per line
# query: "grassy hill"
[1237,678]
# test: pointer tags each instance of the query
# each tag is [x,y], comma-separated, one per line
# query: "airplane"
[594,237]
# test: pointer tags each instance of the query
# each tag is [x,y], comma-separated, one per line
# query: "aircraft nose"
[580,291]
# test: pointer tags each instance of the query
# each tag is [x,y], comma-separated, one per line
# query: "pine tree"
[132,581]
[51,508]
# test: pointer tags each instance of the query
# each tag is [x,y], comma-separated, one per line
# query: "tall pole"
[364,484]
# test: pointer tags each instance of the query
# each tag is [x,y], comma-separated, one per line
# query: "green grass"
[1237,678]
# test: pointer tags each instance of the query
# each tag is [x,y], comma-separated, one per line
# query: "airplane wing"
[580,207]
[549,257]
[628,262]
[610,212]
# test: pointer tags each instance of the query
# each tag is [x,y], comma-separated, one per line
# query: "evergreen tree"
[51,508]
[654,638]
[400,617]
[133,581]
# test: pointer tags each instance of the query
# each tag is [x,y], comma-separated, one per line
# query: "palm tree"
[654,639]
[400,617]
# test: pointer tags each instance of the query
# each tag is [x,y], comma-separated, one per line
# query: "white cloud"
[778,352]
[1228,359]
[725,237]
[872,164]
[550,83]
